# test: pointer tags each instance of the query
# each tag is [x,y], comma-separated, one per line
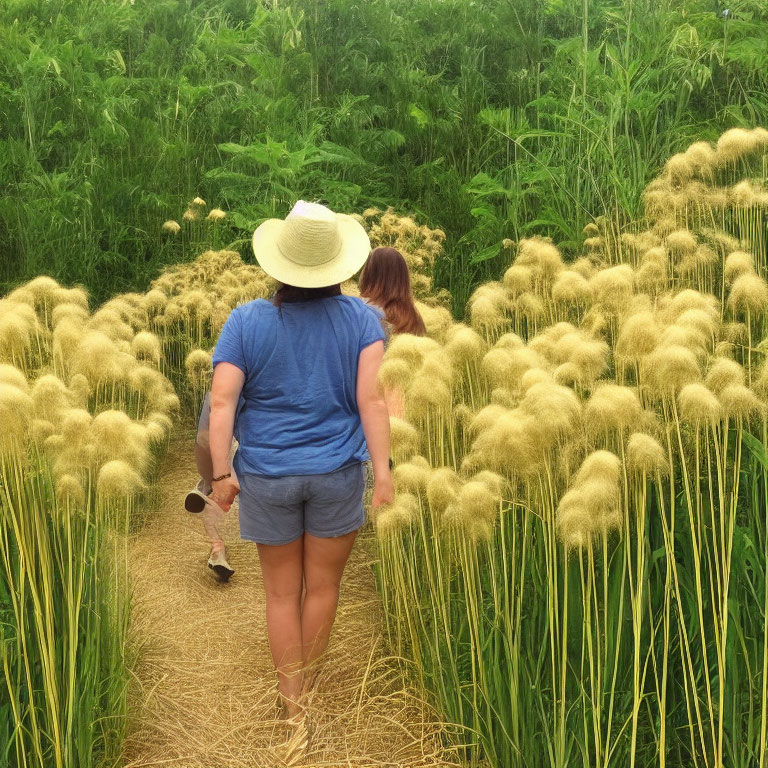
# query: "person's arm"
[375,421]
[228,382]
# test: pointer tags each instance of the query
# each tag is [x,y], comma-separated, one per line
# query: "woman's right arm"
[375,421]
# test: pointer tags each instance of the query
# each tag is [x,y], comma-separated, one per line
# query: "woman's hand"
[224,492]
[383,491]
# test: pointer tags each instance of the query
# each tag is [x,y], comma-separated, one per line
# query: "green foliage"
[490,119]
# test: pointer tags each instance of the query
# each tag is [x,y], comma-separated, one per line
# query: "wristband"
[221,477]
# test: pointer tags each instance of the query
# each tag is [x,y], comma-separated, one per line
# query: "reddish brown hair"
[386,282]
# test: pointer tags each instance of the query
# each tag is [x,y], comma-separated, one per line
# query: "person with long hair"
[386,282]
[295,382]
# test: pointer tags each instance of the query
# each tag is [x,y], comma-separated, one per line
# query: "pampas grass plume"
[670,368]
[395,373]
[411,476]
[571,287]
[736,264]
[69,489]
[15,413]
[613,407]
[198,364]
[739,402]
[517,280]
[749,293]
[171,226]
[146,346]
[699,404]
[118,480]
[723,373]
[50,396]
[10,374]
[645,456]
[404,439]
[638,335]
[442,489]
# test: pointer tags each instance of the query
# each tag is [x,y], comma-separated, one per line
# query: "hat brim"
[355,247]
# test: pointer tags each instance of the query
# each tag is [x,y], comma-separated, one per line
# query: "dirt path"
[203,692]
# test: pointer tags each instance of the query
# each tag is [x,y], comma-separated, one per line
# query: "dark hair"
[286,294]
[385,281]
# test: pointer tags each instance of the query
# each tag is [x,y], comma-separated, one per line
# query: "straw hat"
[312,247]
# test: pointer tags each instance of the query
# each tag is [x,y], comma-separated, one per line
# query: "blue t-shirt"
[298,409]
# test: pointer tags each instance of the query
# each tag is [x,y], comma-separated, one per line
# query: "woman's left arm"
[228,382]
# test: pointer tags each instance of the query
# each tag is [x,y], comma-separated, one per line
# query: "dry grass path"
[203,692]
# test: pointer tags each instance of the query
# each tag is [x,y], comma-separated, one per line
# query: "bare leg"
[395,400]
[203,458]
[324,561]
[281,568]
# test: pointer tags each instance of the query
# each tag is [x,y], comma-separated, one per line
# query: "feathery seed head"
[411,477]
[505,367]
[571,287]
[738,263]
[670,368]
[424,393]
[535,376]
[70,311]
[10,374]
[70,490]
[146,346]
[645,456]
[698,404]
[734,144]
[216,214]
[555,409]
[638,335]
[171,226]
[118,480]
[530,306]
[80,389]
[541,255]
[442,489]
[437,320]
[464,345]
[50,397]
[154,301]
[15,414]
[723,373]
[517,280]
[509,341]
[404,439]
[749,293]
[411,348]
[613,407]
[198,202]
[700,155]
[395,373]
[599,465]
[679,168]
[573,522]
[681,243]
[740,403]
[584,267]
[198,364]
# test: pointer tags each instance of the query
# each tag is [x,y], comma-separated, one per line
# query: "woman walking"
[295,382]
[385,284]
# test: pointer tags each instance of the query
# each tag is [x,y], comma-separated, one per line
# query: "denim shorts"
[279,510]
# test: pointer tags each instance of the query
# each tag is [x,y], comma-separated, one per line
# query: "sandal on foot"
[217,562]
[198,497]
